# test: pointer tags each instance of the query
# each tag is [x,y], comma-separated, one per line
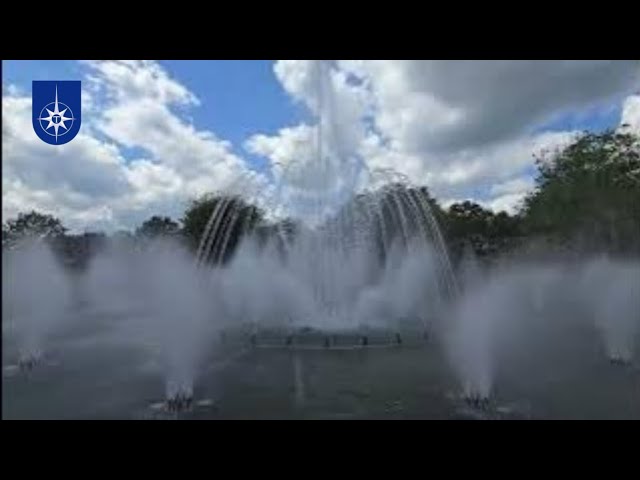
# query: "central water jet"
[350,242]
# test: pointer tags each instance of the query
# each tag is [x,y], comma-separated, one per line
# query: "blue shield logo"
[56,110]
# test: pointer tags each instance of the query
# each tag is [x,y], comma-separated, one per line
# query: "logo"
[56,110]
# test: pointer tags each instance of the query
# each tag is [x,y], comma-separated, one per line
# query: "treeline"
[586,199]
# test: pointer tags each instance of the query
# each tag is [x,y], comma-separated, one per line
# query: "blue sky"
[466,129]
[238,97]
[593,119]
[241,97]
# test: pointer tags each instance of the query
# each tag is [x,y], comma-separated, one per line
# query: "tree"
[502,225]
[468,218]
[158,227]
[76,251]
[589,192]
[231,219]
[32,224]
[468,224]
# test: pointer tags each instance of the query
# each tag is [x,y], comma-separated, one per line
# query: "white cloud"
[514,186]
[508,195]
[459,127]
[88,182]
[291,144]
[450,105]
[493,163]
[631,114]
[139,114]
[509,203]
[455,126]
[86,165]
[131,80]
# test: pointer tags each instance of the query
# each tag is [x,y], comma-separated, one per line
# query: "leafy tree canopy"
[32,224]
[157,226]
[233,217]
[591,189]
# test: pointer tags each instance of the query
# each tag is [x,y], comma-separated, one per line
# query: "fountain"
[334,257]
[357,257]
[168,311]
[37,295]
[180,310]
[615,310]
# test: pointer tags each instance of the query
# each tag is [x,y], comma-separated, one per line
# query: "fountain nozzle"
[619,360]
[28,362]
[180,402]
[478,401]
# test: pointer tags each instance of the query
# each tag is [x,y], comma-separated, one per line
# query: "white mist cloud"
[32,272]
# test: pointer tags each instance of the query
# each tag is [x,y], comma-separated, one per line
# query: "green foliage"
[468,224]
[234,218]
[197,215]
[393,215]
[587,195]
[32,224]
[467,218]
[158,227]
[590,192]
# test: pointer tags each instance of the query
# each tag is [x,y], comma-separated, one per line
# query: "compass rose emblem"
[55,122]
[56,119]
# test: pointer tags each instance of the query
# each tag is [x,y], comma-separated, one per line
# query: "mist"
[511,319]
[521,314]
[611,291]
[36,295]
[174,309]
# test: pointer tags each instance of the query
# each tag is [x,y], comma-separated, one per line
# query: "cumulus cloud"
[466,129]
[68,180]
[456,126]
[451,105]
[131,80]
[89,182]
[485,166]
[291,144]
[508,196]
[630,121]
